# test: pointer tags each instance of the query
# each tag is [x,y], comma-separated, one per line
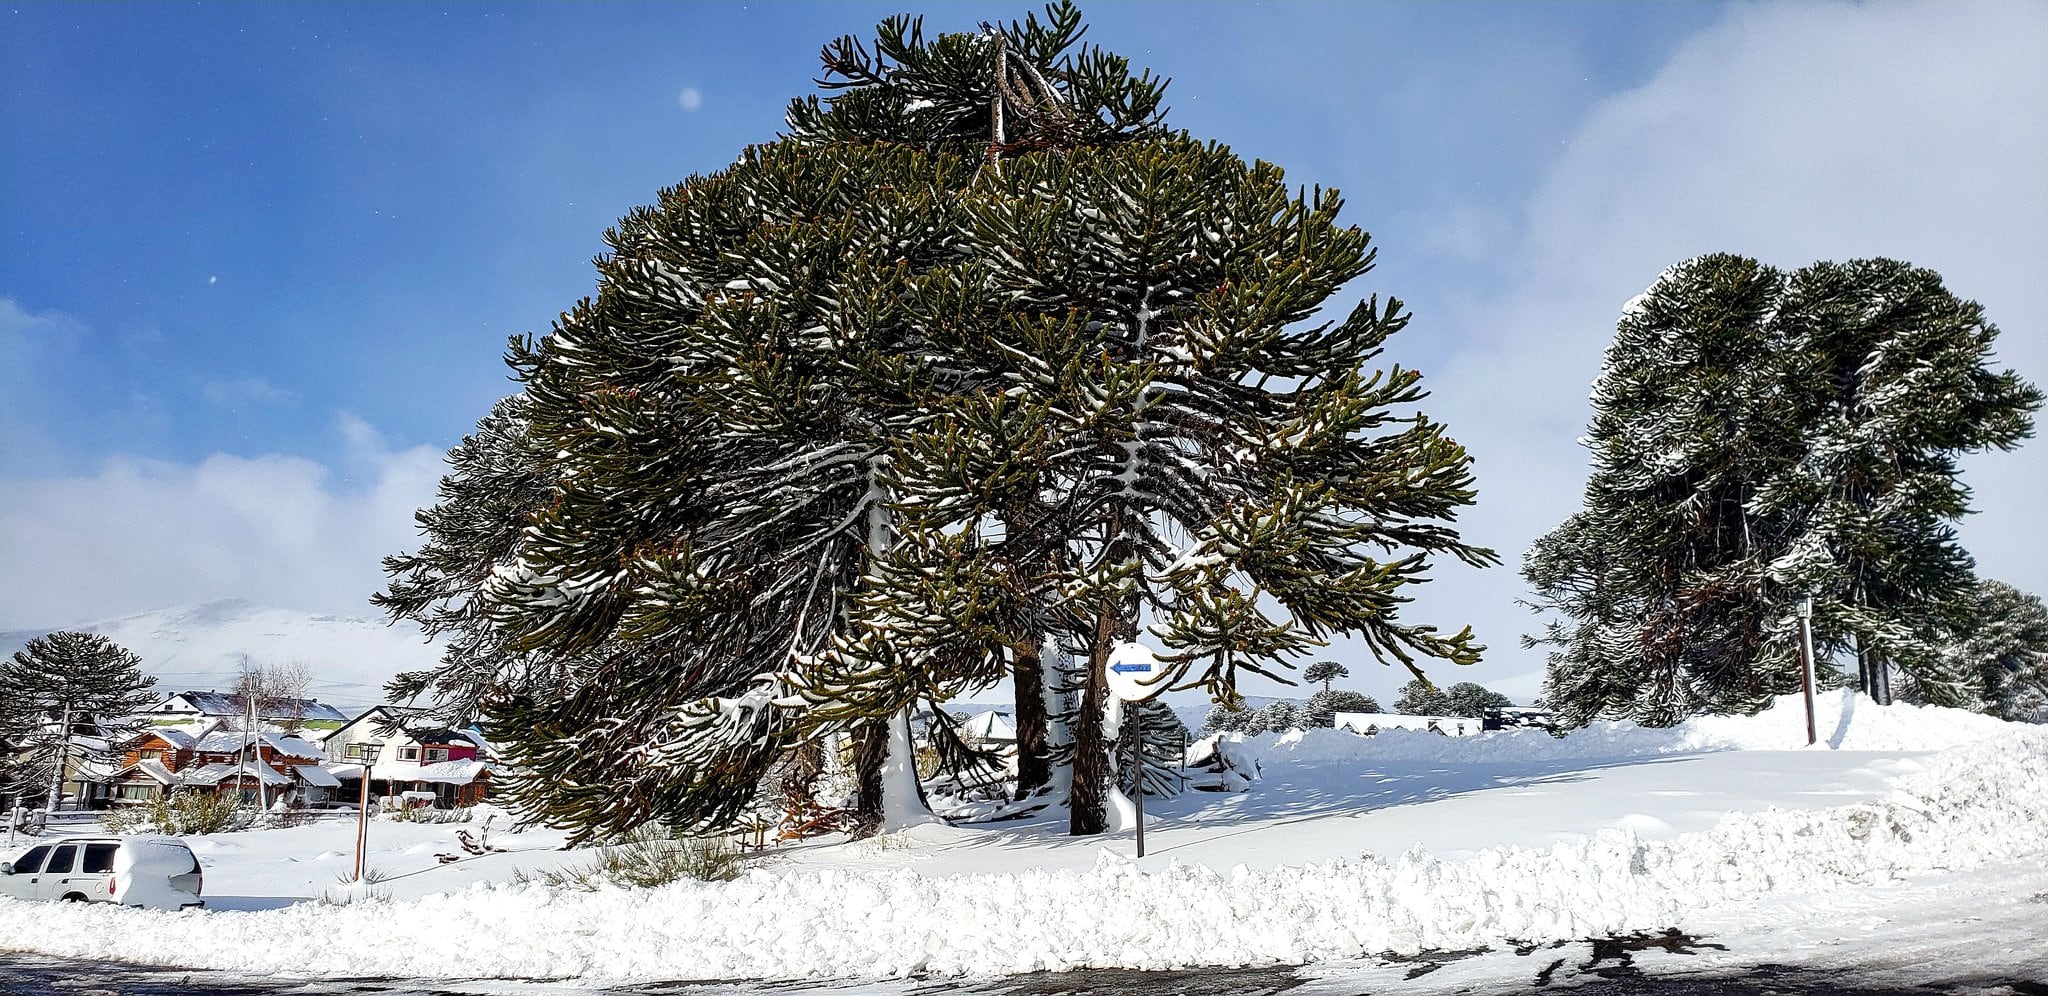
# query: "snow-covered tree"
[58,687]
[1325,672]
[1757,436]
[2001,651]
[1421,698]
[1278,716]
[976,361]
[1472,699]
[697,587]
[1224,717]
[1163,748]
[1322,708]
[498,479]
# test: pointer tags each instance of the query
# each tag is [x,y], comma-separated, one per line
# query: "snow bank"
[1844,721]
[1980,802]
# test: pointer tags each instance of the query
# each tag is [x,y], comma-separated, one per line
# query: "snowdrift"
[1984,800]
[1844,720]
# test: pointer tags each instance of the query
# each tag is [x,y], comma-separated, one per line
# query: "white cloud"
[690,99]
[32,345]
[144,534]
[249,392]
[1791,133]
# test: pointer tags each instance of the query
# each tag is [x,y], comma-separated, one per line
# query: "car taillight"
[113,884]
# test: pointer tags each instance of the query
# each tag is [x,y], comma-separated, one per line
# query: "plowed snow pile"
[1984,797]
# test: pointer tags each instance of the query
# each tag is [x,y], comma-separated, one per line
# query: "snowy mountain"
[201,647]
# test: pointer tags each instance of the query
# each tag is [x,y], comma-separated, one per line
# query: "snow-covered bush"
[649,857]
[424,814]
[180,813]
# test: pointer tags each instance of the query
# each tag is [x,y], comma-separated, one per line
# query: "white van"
[159,872]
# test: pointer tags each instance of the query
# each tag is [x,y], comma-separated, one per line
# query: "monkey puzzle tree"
[975,357]
[53,687]
[1758,436]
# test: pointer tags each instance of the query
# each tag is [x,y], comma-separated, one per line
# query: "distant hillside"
[201,647]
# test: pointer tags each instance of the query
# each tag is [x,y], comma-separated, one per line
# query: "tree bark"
[870,749]
[63,759]
[1034,761]
[1093,764]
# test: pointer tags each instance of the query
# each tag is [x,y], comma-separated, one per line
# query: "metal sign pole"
[1138,776]
[1806,663]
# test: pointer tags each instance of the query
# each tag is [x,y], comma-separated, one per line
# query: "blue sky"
[258,262]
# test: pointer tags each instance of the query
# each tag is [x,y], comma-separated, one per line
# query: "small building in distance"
[265,765]
[403,752]
[1368,723]
[197,706]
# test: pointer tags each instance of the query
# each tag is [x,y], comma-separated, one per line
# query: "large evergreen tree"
[2000,655]
[1421,698]
[1757,436]
[975,363]
[1472,699]
[57,687]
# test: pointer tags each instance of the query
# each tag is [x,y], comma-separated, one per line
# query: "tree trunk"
[890,796]
[870,749]
[1093,766]
[1034,761]
[63,758]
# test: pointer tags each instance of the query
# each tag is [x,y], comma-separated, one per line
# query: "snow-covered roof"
[214,703]
[991,725]
[154,769]
[177,738]
[391,724]
[448,772]
[1450,726]
[451,772]
[214,774]
[225,742]
[313,774]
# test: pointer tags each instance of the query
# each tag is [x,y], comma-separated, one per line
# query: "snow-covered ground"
[1346,848]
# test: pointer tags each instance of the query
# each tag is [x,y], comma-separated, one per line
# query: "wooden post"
[363,820]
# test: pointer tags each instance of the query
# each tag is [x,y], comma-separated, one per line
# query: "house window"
[136,791]
[364,751]
[152,755]
[408,753]
[436,754]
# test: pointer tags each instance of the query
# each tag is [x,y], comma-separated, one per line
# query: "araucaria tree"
[56,687]
[1758,436]
[2000,656]
[978,362]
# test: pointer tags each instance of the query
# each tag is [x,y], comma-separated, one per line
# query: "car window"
[99,858]
[65,859]
[32,862]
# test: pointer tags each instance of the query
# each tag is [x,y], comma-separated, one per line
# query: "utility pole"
[1806,663]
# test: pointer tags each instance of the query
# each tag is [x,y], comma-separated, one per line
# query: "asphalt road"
[1607,967]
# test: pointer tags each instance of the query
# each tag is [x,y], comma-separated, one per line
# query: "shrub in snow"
[180,814]
[1223,763]
[425,814]
[646,858]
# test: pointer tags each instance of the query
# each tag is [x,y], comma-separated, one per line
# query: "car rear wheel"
[74,897]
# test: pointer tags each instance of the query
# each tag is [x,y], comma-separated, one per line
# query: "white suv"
[132,871]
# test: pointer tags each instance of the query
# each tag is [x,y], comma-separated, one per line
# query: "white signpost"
[1135,675]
